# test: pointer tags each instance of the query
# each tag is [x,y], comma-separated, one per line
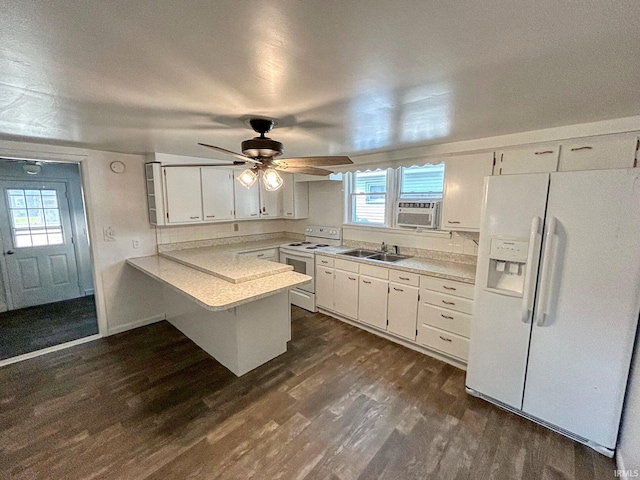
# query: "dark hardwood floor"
[340,404]
[34,328]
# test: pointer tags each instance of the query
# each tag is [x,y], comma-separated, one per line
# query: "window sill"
[397,230]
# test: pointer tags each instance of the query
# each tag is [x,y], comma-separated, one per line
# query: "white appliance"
[417,213]
[557,299]
[302,257]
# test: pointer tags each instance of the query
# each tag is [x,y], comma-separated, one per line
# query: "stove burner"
[305,243]
[322,245]
[312,247]
[295,244]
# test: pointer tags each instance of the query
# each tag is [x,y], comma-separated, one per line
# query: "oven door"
[301,264]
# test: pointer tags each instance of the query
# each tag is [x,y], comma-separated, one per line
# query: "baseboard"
[136,324]
[619,461]
[89,291]
[44,351]
[405,343]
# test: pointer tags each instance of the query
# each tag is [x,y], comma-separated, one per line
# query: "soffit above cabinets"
[350,77]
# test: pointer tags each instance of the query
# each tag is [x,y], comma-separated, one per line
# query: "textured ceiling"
[340,76]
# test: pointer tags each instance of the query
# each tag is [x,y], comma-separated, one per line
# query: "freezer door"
[587,304]
[499,336]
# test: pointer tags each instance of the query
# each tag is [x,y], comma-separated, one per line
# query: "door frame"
[90,215]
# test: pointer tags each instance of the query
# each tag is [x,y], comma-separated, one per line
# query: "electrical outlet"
[135,243]
[109,234]
[235,227]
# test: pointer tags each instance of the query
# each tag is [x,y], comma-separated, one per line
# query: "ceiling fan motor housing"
[262,147]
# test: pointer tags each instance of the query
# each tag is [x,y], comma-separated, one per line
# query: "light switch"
[135,243]
[109,234]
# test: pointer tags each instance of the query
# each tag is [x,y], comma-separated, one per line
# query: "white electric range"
[302,257]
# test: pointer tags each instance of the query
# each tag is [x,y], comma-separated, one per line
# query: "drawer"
[264,254]
[447,286]
[445,342]
[403,277]
[324,261]
[447,301]
[375,272]
[346,265]
[454,322]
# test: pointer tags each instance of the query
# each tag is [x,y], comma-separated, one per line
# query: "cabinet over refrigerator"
[557,299]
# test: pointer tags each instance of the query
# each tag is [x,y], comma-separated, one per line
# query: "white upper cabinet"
[295,198]
[463,185]
[183,194]
[529,159]
[247,200]
[217,194]
[597,153]
[270,202]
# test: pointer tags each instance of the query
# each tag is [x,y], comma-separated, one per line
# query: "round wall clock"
[117,167]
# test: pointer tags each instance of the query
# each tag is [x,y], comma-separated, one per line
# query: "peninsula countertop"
[211,292]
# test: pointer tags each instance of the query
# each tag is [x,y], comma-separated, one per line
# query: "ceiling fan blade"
[305,170]
[229,152]
[315,161]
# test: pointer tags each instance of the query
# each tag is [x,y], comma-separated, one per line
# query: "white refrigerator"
[557,299]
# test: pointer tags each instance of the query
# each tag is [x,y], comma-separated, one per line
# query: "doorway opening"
[46,283]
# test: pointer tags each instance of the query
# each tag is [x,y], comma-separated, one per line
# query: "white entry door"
[37,243]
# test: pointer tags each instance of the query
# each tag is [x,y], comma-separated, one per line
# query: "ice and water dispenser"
[507,266]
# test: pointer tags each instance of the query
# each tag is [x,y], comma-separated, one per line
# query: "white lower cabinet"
[324,287]
[345,293]
[402,310]
[372,301]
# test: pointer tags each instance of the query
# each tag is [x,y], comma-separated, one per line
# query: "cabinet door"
[345,293]
[536,159]
[183,194]
[372,301]
[295,198]
[270,202]
[324,287]
[462,199]
[247,200]
[217,194]
[403,310]
[610,151]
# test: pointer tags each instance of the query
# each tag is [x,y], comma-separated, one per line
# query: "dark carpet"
[34,328]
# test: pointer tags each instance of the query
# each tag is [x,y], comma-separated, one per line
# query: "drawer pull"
[324,261]
[194,218]
[254,214]
[211,216]
[444,339]
[260,255]
[328,272]
[449,288]
[446,316]
[398,289]
[581,148]
[452,221]
[404,278]
[543,152]
[366,281]
[351,278]
[448,303]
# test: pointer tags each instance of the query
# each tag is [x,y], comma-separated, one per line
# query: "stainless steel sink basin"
[387,257]
[359,253]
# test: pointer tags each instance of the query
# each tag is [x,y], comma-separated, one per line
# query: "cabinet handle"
[398,289]
[260,255]
[211,216]
[254,214]
[351,278]
[448,303]
[446,316]
[543,152]
[576,149]
[445,339]
[323,261]
[452,221]
[194,218]
[289,214]
[448,288]
[328,272]
[365,281]
[403,278]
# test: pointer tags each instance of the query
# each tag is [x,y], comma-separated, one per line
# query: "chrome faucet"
[396,249]
[384,247]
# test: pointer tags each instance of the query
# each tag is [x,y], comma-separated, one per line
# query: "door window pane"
[39,223]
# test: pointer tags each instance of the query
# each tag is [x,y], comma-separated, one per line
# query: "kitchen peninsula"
[234,307]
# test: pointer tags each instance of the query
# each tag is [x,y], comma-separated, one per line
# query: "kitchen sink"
[387,257]
[359,253]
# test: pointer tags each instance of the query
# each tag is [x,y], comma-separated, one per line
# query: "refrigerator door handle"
[547,273]
[533,259]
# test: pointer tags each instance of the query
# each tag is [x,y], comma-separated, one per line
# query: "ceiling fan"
[261,152]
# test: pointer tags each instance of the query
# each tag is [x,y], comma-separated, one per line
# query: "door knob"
[10,252]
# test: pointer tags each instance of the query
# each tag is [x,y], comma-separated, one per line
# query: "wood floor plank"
[341,403]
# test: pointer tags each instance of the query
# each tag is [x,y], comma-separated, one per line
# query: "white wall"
[125,297]
[629,447]
[326,203]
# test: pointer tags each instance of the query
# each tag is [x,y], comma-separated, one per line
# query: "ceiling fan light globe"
[271,179]
[247,178]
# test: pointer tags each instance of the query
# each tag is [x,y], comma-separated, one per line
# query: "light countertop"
[459,272]
[211,292]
